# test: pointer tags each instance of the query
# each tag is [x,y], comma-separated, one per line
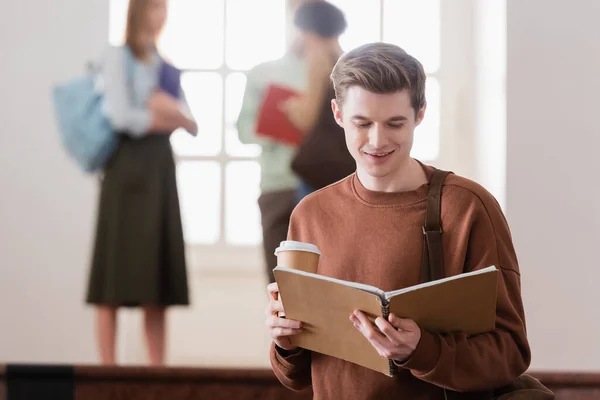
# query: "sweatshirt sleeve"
[293,369]
[487,361]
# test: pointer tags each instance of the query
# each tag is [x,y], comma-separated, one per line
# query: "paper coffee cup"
[298,255]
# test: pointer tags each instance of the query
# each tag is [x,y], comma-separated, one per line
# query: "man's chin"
[377,171]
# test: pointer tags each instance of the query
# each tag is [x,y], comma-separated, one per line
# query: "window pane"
[414,26]
[193,37]
[204,94]
[199,184]
[363,17]
[427,135]
[250,39]
[242,216]
[117,20]
[187,20]
[234,93]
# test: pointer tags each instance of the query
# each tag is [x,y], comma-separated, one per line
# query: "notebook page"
[360,286]
[389,295]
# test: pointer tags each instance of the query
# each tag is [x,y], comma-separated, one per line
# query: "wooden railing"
[572,385]
[23,382]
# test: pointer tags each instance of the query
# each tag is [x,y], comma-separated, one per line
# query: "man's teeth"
[380,154]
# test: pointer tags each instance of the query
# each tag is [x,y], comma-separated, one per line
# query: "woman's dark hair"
[321,18]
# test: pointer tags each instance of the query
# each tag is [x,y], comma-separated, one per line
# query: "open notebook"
[462,303]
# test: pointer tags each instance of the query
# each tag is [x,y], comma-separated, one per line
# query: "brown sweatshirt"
[376,238]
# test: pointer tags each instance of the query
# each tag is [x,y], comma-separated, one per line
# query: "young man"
[370,229]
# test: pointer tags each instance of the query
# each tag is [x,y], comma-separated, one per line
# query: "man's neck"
[409,177]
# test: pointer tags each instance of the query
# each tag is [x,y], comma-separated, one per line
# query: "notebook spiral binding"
[385,312]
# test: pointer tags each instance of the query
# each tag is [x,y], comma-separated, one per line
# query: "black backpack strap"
[432,267]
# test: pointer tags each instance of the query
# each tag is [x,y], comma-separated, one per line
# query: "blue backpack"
[86,132]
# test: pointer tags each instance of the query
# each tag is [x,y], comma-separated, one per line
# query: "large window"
[215,42]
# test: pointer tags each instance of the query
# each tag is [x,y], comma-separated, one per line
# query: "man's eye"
[398,126]
[364,125]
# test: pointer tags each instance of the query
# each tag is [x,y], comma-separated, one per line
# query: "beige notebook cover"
[462,303]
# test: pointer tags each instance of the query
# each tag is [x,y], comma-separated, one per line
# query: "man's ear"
[337,112]
[420,115]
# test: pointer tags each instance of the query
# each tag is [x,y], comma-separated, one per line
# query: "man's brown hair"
[380,68]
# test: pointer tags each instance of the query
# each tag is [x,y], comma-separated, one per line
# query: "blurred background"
[512,103]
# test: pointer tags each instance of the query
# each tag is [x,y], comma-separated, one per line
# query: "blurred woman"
[322,158]
[139,258]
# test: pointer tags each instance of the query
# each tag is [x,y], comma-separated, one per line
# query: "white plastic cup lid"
[290,245]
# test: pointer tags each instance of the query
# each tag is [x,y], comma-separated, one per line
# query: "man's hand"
[396,339]
[280,328]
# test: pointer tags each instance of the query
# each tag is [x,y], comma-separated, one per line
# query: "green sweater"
[275,158]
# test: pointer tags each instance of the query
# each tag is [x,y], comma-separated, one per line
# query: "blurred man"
[278,183]
[322,158]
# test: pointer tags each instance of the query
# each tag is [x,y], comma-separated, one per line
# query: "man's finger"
[389,331]
[275,322]
[273,290]
[367,328]
[277,306]
[402,323]
[274,307]
[370,333]
[278,333]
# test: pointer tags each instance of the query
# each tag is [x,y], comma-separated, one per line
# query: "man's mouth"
[379,154]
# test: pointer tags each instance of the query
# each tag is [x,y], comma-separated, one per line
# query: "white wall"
[47,208]
[553,189]
[489,149]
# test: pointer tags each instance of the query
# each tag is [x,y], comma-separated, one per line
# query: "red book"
[272,121]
